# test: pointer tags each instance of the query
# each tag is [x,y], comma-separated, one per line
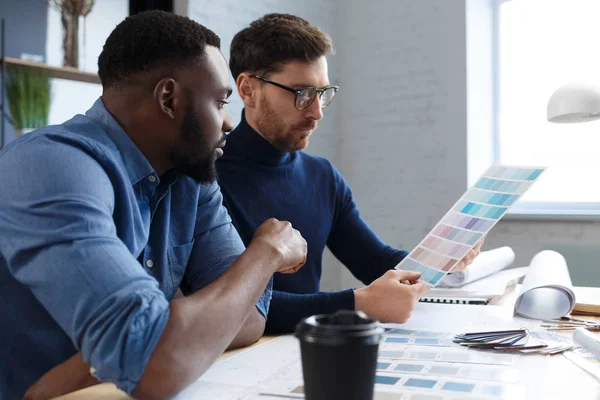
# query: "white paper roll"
[587,340]
[547,291]
[487,263]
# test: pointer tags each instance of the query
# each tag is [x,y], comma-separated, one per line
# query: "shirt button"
[152,178]
[149,263]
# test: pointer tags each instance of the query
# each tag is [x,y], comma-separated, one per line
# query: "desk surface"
[108,391]
[565,371]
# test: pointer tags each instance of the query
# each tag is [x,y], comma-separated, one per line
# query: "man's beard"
[192,155]
[276,131]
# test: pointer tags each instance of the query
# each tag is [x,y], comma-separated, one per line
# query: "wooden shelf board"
[69,73]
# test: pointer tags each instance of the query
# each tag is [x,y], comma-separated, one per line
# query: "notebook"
[480,292]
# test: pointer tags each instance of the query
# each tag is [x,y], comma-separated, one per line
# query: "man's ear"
[247,89]
[166,95]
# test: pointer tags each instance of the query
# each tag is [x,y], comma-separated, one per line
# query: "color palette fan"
[470,219]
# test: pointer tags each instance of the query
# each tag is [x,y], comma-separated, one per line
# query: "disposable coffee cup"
[339,355]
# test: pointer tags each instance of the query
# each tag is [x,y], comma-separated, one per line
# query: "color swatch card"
[468,221]
[391,386]
[395,352]
[432,369]
[423,365]
[444,387]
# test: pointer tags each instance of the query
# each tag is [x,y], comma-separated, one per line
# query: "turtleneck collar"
[245,142]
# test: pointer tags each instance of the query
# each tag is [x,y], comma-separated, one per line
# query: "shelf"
[69,73]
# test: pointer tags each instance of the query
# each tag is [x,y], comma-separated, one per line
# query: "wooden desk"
[553,386]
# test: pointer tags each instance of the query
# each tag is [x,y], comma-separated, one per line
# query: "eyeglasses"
[305,96]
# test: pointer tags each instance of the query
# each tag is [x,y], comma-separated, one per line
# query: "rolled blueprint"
[487,263]
[547,291]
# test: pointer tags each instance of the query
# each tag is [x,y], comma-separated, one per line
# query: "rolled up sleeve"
[60,241]
[217,244]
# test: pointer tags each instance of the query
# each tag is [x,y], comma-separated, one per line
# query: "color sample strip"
[480,210]
[457,235]
[471,371]
[467,222]
[491,198]
[521,174]
[397,340]
[386,380]
[421,383]
[447,354]
[503,186]
[391,354]
[459,387]
[427,274]
[409,367]
[383,365]
[427,341]
[473,215]
[433,259]
[443,246]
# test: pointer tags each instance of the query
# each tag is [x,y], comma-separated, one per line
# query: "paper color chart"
[471,217]
[468,371]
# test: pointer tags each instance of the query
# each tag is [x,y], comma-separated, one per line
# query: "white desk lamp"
[568,104]
[574,103]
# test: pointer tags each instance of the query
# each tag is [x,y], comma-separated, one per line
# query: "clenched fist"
[286,243]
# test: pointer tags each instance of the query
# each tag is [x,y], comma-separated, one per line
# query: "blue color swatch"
[480,210]
[391,354]
[422,383]
[459,387]
[386,380]
[397,340]
[409,367]
[383,365]
[426,341]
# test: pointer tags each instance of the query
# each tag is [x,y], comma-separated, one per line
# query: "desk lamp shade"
[574,103]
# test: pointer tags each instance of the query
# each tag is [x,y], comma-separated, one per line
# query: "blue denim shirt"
[93,245]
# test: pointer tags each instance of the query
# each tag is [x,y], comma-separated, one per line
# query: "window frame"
[561,211]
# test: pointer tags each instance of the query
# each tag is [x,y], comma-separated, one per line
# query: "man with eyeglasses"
[280,68]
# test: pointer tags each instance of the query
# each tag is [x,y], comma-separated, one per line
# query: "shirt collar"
[245,142]
[136,164]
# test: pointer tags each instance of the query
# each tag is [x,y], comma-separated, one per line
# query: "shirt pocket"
[179,257]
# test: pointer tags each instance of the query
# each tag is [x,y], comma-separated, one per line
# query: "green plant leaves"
[28,94]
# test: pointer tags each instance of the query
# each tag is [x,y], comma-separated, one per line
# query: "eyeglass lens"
[307,96]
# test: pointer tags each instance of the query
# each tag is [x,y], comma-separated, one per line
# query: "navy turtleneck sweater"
[258,182]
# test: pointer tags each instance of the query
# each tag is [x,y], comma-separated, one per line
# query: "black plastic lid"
[342,327]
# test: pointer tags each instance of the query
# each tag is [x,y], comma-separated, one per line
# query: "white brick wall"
[402,120]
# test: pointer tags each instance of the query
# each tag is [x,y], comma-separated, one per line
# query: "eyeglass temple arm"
[277,84]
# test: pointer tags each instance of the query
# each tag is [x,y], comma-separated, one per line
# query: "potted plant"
[28,95]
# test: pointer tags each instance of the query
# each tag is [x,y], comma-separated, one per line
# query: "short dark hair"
[271,41]
[149,40]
